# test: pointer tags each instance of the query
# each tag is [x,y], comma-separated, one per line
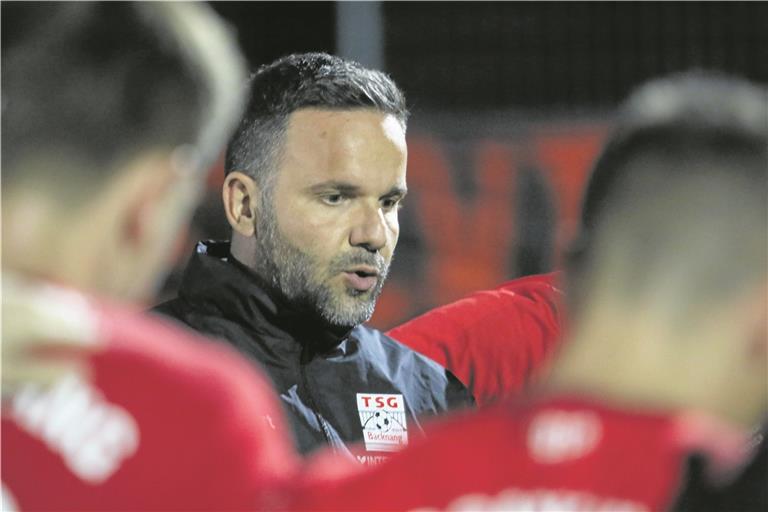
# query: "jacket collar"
[216,280]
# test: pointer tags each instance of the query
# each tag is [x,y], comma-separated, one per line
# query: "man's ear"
[240,195]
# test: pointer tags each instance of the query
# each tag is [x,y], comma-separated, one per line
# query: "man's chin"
[350,310]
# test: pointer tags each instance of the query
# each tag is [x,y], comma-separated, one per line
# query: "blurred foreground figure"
[665,356]
[111,114]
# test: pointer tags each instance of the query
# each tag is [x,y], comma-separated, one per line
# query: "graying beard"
[287,270]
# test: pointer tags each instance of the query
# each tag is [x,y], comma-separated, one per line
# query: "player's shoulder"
[548,430]
[386,350]
[538,292]
[382,344]
[609,436]
[169,353]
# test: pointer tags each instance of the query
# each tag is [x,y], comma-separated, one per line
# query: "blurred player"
[110,115]
[666,351]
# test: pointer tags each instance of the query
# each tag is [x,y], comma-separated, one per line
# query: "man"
[315,178]
[111,113]
[666,349]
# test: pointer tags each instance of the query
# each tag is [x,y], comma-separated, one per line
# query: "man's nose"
[369,230]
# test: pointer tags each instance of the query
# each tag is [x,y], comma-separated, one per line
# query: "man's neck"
[243,249]
[44,240]
[637,362]
[303,322]
[66,264]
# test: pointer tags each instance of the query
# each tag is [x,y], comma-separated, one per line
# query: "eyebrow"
[340,186]
[396,191]
[348,189]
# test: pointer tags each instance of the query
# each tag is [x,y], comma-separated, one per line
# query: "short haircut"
[91,85]
[309,80]
[680,190]
[706,113]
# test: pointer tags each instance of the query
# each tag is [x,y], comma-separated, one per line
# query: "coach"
[315,175]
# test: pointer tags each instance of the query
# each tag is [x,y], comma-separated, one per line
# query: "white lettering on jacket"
[92,436]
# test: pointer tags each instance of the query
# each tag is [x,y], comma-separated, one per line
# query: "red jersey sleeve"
[495,340]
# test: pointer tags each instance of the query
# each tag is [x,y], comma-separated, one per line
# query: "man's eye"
[333,199]
[390,203]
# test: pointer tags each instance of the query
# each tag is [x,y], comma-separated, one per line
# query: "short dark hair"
[680,191]
[308,80]
[695,113]
[98,82]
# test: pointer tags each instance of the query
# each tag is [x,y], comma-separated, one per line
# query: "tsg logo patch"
[383,420]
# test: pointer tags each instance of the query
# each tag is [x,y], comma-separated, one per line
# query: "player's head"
[111,112]
[315,174]
[674,236]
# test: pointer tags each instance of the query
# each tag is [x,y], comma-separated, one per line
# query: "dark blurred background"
[510,102]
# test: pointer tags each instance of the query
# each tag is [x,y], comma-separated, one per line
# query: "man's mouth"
[361,278]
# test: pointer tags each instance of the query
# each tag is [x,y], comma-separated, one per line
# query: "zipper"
[324,427]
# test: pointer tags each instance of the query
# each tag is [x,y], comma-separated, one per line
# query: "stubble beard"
[306,285]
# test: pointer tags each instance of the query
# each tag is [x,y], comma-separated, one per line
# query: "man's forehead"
[324,122]
[356,146]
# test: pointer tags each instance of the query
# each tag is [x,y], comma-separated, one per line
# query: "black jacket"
[336,387]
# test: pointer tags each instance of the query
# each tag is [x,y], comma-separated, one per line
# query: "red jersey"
[494,341]
[560,455]
[166,421]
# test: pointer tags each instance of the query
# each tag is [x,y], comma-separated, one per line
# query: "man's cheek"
[393,224]
[394,237]
[320,227]
[305,234]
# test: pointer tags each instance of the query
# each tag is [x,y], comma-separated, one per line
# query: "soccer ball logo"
[382,417]
[380,421]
